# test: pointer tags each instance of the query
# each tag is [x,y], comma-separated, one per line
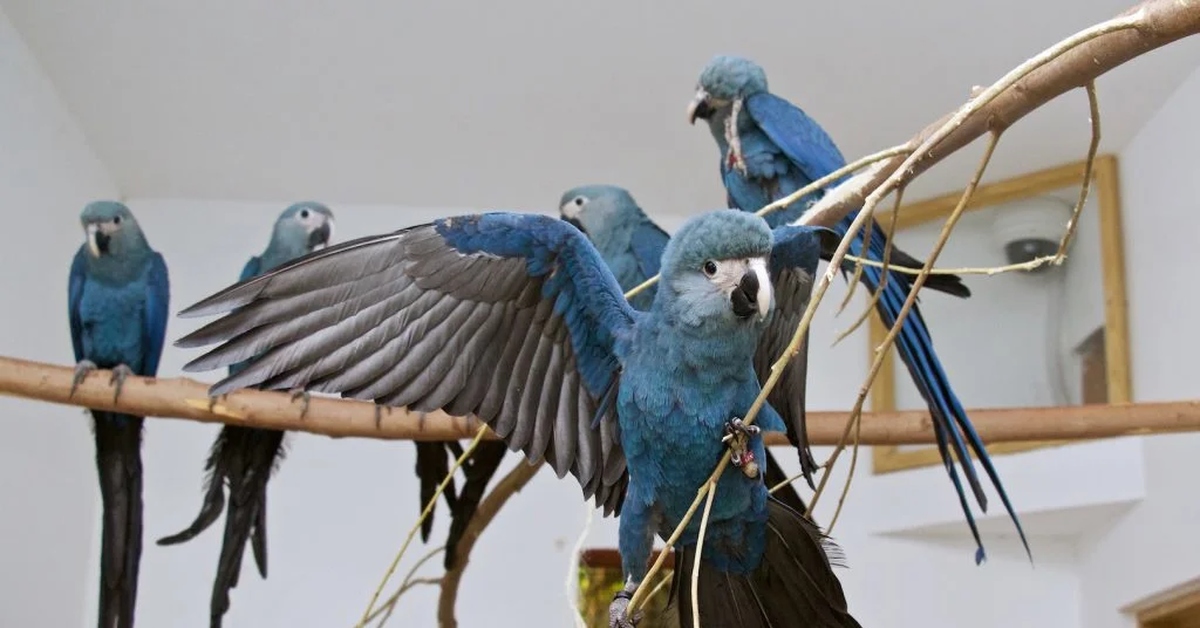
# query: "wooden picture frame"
[1105,189]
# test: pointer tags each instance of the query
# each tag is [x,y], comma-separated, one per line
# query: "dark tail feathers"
[119,464]
[793,586]
[433,463]
[245,458]
[949,284]
[774,474]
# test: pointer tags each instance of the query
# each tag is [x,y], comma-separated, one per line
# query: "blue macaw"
[632,245]
[516,319]
[773,150]
[244,457]
[118,297]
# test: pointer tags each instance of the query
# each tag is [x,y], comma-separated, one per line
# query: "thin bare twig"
[1093,146]
[573,571]
[405,585]
[990,270]
[416,526]
[696,558]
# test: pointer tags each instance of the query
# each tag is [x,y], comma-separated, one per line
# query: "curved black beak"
[699,107]
[319,236]
[574,222]
[745,296]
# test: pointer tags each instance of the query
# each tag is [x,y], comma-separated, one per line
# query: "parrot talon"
[304,398]
[617,610]
[119,373]
[81,372]
[738,434]
[212,401]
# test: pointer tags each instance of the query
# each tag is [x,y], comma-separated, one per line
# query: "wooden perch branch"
[1159,23]
[183,398]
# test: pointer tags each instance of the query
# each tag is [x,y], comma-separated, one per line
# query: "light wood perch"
[183,398]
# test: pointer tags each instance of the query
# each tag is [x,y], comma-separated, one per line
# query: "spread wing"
[510,317]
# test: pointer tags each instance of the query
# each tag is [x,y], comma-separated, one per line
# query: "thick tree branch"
[1161,22]
[182,398]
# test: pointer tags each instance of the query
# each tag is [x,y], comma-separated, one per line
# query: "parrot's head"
[714,269]
[303,228]
[110,229]
[726,78]
[597,209]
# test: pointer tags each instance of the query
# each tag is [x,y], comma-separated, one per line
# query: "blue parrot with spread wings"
[118,296]
[516,319]
[769,149]
[243,458]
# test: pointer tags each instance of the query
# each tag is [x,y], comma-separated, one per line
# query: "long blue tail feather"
[916,351]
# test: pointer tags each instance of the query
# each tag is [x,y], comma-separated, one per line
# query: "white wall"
[48,172]
[1156,546]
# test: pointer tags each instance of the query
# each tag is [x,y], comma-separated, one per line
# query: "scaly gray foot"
[81,372]
[119,373]
[617,618]
[304,397]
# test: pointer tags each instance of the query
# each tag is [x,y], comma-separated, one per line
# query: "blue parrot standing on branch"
[244,457]
[769,149]
[632,246]
[118,297]
[516,319]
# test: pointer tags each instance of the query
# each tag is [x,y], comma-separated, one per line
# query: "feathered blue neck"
[126,260]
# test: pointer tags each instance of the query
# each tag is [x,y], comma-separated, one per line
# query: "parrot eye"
[710,268]
[304,213]
[579,201]
[116,220]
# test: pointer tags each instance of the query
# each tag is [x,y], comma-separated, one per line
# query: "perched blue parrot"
[632,246]
[244,457]
[118,297]
[772,150]
[516,319]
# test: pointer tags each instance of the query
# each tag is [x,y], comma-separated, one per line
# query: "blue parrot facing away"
[118,297]
[632,245]
[516,319]
[773,149]
[244,457]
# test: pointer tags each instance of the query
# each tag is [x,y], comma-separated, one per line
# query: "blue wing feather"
[157,305]
[648,242]
[75,283]
[805,143]
[584,292]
